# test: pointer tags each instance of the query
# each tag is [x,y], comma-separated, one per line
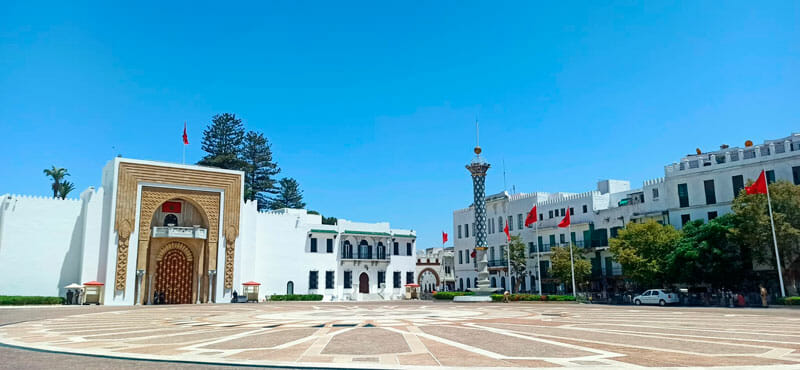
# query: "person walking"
[763,292]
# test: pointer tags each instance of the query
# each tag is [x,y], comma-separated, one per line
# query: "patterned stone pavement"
[423,334]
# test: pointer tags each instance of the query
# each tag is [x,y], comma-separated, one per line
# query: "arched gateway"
[174,274]
[363,283]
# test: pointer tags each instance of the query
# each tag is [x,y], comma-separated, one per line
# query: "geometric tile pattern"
[426,334]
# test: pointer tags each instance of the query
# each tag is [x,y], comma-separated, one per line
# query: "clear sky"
[371,106]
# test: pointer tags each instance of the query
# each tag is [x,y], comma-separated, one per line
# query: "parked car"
[656,296]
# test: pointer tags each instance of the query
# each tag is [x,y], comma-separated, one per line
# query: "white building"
[435,270]
[184,231]
[699,187]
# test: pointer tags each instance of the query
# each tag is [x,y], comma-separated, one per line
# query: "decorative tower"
[477,168]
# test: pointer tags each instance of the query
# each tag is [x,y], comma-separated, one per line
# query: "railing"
[498,263]
[179,232]
[348,255]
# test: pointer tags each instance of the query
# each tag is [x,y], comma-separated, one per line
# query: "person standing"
[763,292]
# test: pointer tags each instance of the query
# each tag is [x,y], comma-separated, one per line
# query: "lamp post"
[139,281]
[211,284]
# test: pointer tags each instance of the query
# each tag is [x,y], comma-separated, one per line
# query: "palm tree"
[64,188]
[57,174]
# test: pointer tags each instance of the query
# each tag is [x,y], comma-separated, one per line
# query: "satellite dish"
[698,151]
[748,144]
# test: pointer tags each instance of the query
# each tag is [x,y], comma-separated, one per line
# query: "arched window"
[494,282]
[290,288]
[476,282]
[347,251]
[513,282]
[461,284]
[171,219]
[468,284]
[503,282]
[363,250]
[381,251]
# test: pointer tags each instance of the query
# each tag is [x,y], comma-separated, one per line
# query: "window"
[171,219]
[585,208]
[738,184]
[510,223]
[396,248]
[396,279]
[313,244]
[329,279]
[712,215]
[489,226]
[459,231]
[381,251]
[711,195]
[499,224]
[562,238]
[347,251]
[541,216]
[468,284]
[410,277]
[684,219]
[563,212]
[329,245]
[466,255]
[466,230]
[348,279]
[796,175]
[552,240]
[571,211]
[491,253]
[408,249]
[519,221]
[381,278]
[683,195]
[572,237]
[531,248]
[460,258]
[540,244]
[770,176]
[550,214]
[313,279]
[655,193]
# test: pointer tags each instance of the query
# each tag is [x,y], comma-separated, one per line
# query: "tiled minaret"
[478,168]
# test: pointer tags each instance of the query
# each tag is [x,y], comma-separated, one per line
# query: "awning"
[73,286]
[93,283]
[323,231]
[404,236]
[253,283]
[413,285]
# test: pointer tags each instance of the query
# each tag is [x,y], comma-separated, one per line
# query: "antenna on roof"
[504,175]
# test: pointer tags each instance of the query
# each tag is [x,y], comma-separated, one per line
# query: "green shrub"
[789,301]
[533,297]
[26,300]
[450,295]
[295,297]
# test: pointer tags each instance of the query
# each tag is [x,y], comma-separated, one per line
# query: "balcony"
[379,257]
[498,263]
[194,232]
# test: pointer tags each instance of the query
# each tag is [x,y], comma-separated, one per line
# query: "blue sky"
[371,106]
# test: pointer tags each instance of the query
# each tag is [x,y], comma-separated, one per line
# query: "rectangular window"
[408,249]
[562,238]
[396,279]
[683,195]
[313,279]
[552,241]
[329,245]
[738,184]
[466,230]
[770,176]
[396,249]
[466,255]
[460,258]
[655,193]
[711,195]
[712,215]
[796,175]
[685,219]
[459,231]
[571,211]
[550,214]
[519,221]
[510,223]
[563,212]
[585,208]
[541,217]
[348,279]
[531,249]
[572,238]
[540,243]
[381,278]
[409,277]
[329,279]
[313,244]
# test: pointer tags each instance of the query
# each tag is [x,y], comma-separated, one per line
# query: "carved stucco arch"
[175,245]
[419,276]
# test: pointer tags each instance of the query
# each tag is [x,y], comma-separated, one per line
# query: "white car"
[656,296]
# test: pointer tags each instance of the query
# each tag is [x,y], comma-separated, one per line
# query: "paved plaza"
[404,335]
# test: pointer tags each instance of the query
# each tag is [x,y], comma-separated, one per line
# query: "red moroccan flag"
[473,254]
[444,237]
[185,137]
[171,207]
[508,234]
[565,221]
[758,187]
[531,217]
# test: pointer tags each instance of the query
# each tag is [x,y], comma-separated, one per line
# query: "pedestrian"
[506,294]
[763,292]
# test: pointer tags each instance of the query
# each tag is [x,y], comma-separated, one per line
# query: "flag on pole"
[565,221]
[444,237]
[473,254]
[185,137]
[508,234]
[758,187]
[531,217]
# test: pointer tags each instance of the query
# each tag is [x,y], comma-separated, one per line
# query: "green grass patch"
[788,301]
[19,300]
[534,297]
[448,296]
[295,297]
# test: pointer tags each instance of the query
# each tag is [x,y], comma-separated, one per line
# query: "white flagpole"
[183,159]
[774,238]
[571,259]
[508,252]
[538,253]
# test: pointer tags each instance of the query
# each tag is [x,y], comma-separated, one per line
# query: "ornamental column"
[477,168]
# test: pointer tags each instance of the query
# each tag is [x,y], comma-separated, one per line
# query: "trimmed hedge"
[27,300]
[534,297]
[295,297]
[450,295]
[789,301]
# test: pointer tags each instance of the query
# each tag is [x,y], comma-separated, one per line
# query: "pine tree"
[289,195]
[223,141]
[259,169]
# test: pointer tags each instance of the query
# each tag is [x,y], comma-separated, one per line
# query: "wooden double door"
[174,278]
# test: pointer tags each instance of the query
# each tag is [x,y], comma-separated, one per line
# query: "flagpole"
[571,260]
[774,238]
[510,286]
[183,158]
[538,255]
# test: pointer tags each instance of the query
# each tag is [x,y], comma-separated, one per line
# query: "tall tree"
[519,262]
[753,230]
[706,253]
[223,141]
[259,168]
[289,195]
[65,188]
[56,174]
[562,269]
[642,250]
